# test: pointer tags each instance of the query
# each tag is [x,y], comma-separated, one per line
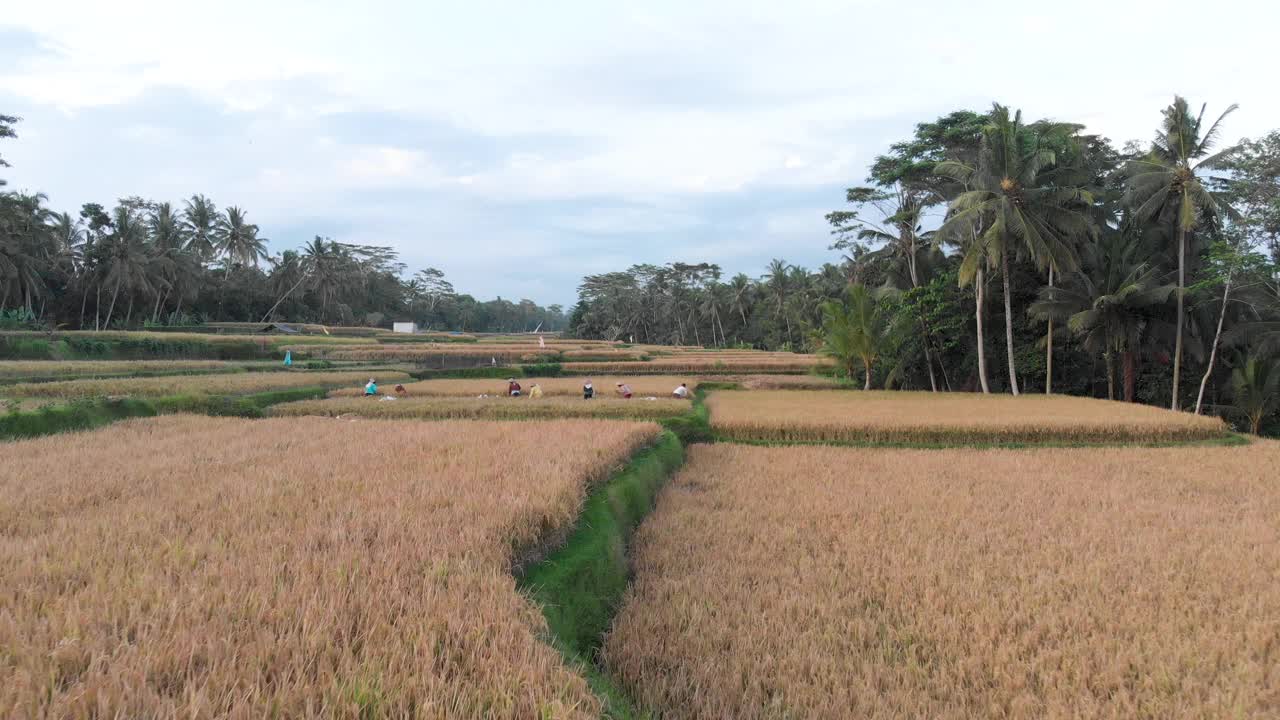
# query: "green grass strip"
[92,413]
[580,585]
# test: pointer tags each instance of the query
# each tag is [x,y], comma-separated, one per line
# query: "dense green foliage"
[152,263]
[1139,273]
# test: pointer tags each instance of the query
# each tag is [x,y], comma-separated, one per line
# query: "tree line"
[992,254]
[143,263]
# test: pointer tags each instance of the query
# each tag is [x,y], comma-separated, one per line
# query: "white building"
[404,327]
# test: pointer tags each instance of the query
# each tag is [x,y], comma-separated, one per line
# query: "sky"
[519,146]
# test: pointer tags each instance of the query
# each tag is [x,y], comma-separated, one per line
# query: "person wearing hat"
[513,387]
[588,390]
[624,390]
[371,389]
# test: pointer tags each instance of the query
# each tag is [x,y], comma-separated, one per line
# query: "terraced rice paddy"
[947,418]
[643,386]
[678,364]
[28,369]
[823,582]
[488,408]
[218,384]
[197,567]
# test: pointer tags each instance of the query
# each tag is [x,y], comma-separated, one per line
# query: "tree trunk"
[980,291]
[866,364]
[1213,351]
[84,300]
[112,309]
[282,298]
[1111,376]
[155,313]
[1048,353]
[128,318]
[928,361]
[1008,323]
[97,309]
[1130,359]
[1182,284]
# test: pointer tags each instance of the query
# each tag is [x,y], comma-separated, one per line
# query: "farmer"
[401,391]
[624,390]
[513,387]
[371,388]
[588,391]
[535,391]
[682,392]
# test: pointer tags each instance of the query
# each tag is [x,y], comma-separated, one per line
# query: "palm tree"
[127,262]
[1017,205]
[777,282]
[1255,388]
[238,240]
[855,331]
[200,224]
[1165,186]
[1110,304]
[27,246]
[740,291]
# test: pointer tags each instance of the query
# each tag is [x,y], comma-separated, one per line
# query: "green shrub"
[542,370]
[475,373]
[79,415]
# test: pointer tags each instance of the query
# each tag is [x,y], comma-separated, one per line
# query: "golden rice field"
[676,364]
[487,408]
[215,384]
[14,369]
[870,583]
[424,352]
[947,418]
[266,340]
[649,385]
[197,568]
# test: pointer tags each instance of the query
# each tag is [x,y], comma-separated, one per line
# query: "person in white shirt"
[682,392]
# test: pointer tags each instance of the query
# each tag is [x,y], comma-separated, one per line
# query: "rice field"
[197,567]
[679,364]
[947,418]
[216,384]
[659,386]
[487,408]
[424,352]
[825,582]
[24,369]
[266,340]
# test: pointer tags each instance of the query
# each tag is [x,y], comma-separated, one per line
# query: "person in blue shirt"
[371,388]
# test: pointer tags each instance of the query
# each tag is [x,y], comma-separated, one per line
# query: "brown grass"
[865,583]
[229,384]
[488,408]
[198,568]
[651,385]
[11,369]
[947,418]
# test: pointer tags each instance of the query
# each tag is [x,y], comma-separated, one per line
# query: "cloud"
[519,146]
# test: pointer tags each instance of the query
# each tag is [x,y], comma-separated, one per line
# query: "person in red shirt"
[624,390]
[513,387]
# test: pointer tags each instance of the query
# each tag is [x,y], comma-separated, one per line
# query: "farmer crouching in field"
[535,391]
[401,392]
[588,391]
[681,393]
[624,390]
[513,387]
[371,388]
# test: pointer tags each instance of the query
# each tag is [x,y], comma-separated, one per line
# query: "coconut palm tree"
[777,282]
[127,262]
[1167,187]
[238,241]
[855,331]
[1016,204]
[200,224]
[1111,304]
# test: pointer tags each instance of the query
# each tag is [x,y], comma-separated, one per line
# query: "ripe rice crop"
[946,418]
[651,385]
[219,384]
[824,582]
[268,340]
[488,408]
[17,369]
[425,352]
[678,364]
[783,382]
[197,567]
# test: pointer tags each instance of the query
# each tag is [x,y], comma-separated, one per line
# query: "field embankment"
[211,567]
[1057,583]
[488,408]
[923,418]
[219,384]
